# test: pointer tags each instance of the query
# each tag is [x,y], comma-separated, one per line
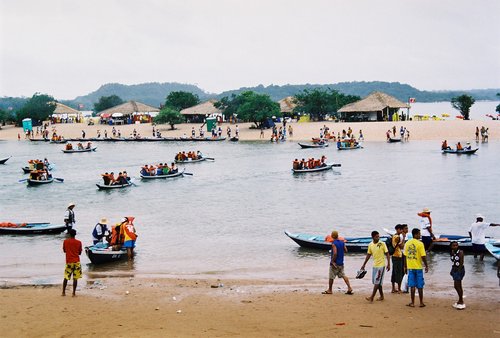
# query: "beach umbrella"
[117,115]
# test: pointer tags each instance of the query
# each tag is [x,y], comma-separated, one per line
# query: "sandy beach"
[452,130]
[186,308]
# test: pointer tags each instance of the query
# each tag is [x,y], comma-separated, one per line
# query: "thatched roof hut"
[130,108]
[62,109]
[287,105]
[199,112]
[205,108]
[377,106]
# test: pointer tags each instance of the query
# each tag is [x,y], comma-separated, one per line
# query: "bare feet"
[327,292]
[370,299]
[422,305]
[410,305]
[380,299]
[63,294]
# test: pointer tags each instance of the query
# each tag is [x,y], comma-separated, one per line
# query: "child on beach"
[457,273]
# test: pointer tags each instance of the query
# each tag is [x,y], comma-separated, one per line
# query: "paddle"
[189,174]
[336,165]
[23,180]
[210,158]
[60,180]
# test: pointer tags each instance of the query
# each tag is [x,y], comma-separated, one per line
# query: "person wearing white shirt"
[477,233]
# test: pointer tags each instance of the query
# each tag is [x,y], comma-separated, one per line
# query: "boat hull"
[306,146]
[112,187]
[33,229]
[157,177]
[102,256]
[460,152]
[79,150]
[192,161]
[3,160]
[35,183]
[315,170]
[353,244]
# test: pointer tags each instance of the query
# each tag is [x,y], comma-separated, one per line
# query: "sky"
[68,48]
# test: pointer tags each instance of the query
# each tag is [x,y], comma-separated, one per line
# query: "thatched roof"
[130,107]
[205,108]
[374,102]
[287,105]
[64,109]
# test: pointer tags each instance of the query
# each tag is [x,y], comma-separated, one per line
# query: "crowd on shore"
[408,255]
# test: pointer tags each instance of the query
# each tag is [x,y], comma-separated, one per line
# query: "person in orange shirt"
[73,249]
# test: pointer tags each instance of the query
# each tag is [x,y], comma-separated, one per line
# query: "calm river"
[228,219]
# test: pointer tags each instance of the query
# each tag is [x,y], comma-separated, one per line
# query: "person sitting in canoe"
[89,145]
[323,161]
[445,146]
[173,168]
[121,180]
[101,232]
[199,154]
[125,175]
[303,164]
[468,146]
[69,146]
[459,147]
[80,146]
[152,171]
[35,175]
[165,170]
[145,170]
[106,179]
[296,164]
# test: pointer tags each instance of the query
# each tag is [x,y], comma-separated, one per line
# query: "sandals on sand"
[326,292]
[349,292]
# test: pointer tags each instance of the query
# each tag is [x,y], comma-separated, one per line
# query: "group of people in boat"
[121,236]
[56,138]
[311,163]
[347,142]
[183,156]
[39,170]
[79,146]
[121,179]
[159,170]
[445,146]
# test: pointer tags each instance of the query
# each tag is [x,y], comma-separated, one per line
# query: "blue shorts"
[416,278]
[129,244]
[457,275]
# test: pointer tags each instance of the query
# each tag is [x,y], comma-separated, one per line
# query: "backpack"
[390,247]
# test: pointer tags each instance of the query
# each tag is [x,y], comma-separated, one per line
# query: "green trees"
[249,106]
[106,102]
[181,100]
[317,103]
[463,103]
[169,115]
[38,107]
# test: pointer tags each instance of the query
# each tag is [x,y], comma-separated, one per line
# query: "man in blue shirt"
[337,264]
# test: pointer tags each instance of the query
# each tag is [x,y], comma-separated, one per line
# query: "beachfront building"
[198,113]
[377,106]
[128,113]
[65,114]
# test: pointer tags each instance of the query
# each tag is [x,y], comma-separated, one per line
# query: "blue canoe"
[33,229]
[494,249]
[311,241]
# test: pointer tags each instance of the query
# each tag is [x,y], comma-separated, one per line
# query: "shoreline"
[452,130]
[192,307]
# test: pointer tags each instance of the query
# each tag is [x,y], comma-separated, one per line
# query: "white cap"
[124,219]
[71,204]
[479,216]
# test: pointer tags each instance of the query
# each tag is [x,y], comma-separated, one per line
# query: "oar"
[61,180]
[190,174]
[336,165]
[210,158]
[23,180]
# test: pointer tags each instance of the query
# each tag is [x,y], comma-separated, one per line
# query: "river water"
[227,220]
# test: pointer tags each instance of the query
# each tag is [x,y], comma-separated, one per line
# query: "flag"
[411,100]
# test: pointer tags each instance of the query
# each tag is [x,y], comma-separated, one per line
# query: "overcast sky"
[67,48]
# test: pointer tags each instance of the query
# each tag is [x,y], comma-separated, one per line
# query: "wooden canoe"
[66,151]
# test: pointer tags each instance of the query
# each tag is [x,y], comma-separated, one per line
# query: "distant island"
[154,93]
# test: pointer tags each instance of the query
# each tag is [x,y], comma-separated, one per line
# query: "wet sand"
[182,308]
